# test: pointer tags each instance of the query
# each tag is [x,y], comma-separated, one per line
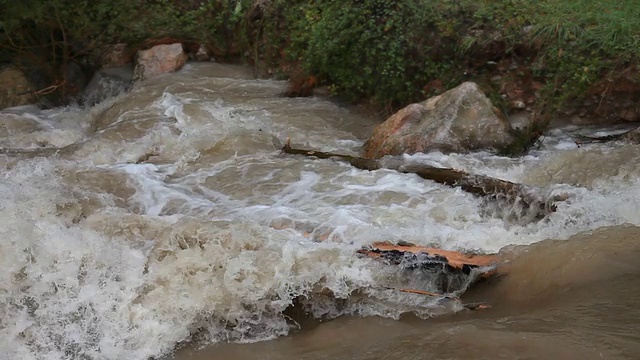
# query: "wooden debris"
[145,157]
[432,257]
[475,184]
[424,292]
[453,259]
[394,253]
[476,306]
[469,306]
[442,261]
[584,139]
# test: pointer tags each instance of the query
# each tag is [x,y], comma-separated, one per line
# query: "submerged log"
[453,259]
[445,262]
[422,256]
[469,306]
[413,257]
[394,253]
[584,139]
[474,184]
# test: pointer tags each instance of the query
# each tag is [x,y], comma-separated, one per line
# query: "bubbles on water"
[65,288]
[31,128]
[173,217]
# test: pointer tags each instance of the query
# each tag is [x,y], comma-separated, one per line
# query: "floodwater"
[166,223]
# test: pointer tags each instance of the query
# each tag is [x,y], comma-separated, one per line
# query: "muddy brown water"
[571,299]
[165,223]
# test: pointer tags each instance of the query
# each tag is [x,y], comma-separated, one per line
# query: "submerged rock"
[158,60]
[633,136]
[15,88]
[106,83]
[460,120]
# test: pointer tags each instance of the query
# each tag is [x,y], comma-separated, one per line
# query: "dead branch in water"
[452,259]
[469,306]
[445,262]
[46,91]
[408,256]
[474,184]
[584,139]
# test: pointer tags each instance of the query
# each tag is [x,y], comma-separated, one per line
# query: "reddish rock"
[114,55]
[158,60]
[301,85]
[459,120]
[629,115]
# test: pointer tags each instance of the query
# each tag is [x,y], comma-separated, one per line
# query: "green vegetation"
[376,49]
[43,36]
[391,52]
[583,42]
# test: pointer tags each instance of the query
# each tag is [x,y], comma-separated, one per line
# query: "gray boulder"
[107,83]
[460,120]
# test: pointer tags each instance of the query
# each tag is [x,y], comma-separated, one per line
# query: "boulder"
[201,54]
[107,83]
[460,120]
[633,136]
[158,60]
[630,114]
[114,56]
[15,88]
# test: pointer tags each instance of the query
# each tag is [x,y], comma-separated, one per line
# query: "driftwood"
[447,263]
[451,264]
[452,260]
[469,306]
[394,253]
[475,184]
[457,269]
[584,139]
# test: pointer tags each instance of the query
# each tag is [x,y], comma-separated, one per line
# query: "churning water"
[168,216]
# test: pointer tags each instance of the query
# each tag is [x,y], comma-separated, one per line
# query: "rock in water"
[106,83]
[15,88]
[158,60]
[633,136]
[460,120]
[113,56]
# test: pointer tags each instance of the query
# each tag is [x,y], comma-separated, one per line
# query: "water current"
[165,222]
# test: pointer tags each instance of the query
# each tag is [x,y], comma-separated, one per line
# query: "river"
[165,223]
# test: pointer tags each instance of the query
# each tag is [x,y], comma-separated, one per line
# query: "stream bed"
[166,223]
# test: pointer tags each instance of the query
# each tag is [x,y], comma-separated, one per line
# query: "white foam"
[175,233]
[33,128]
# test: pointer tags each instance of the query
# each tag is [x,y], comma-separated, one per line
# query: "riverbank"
[574,61]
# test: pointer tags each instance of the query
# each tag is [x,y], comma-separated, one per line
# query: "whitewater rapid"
[168,215]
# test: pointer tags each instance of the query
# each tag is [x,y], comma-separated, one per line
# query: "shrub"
[377,49]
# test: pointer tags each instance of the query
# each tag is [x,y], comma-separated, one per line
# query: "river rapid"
[165,223]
